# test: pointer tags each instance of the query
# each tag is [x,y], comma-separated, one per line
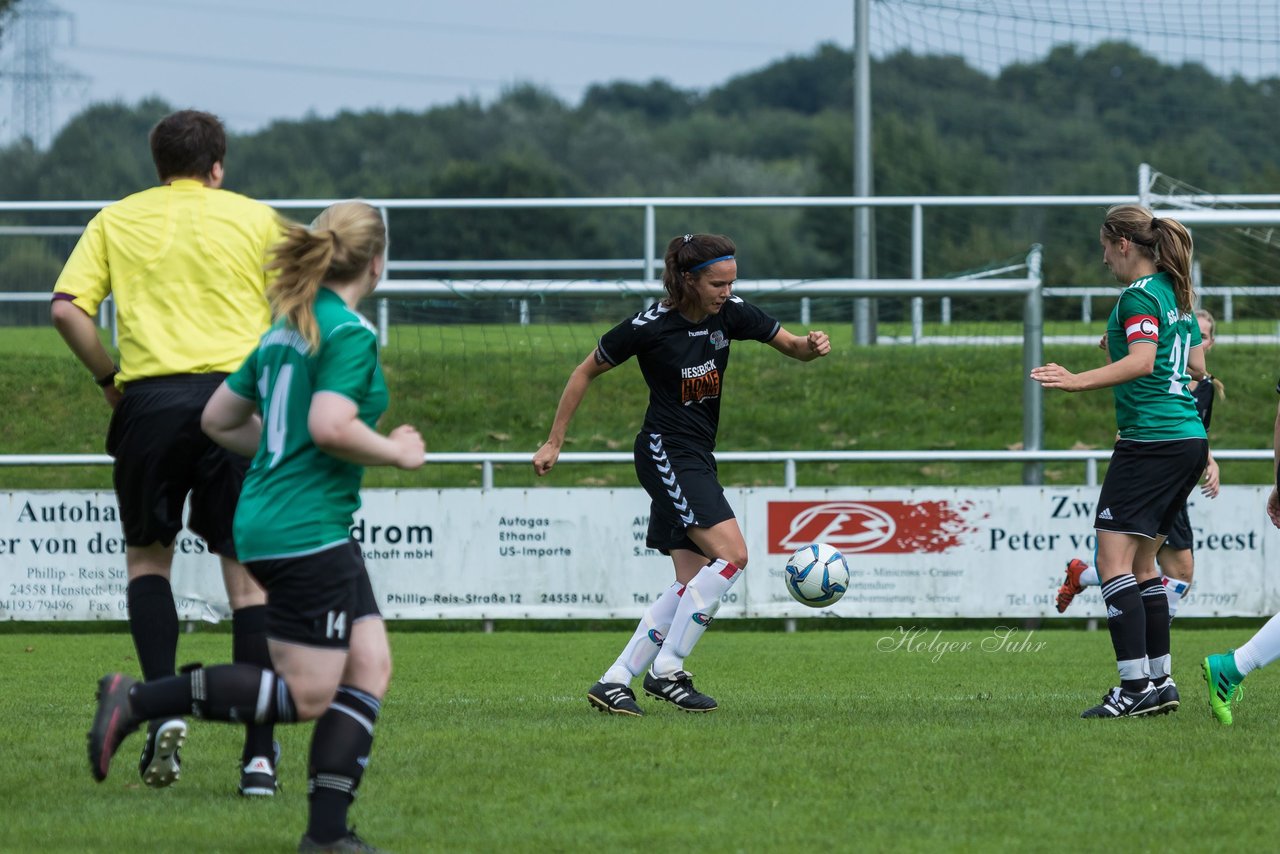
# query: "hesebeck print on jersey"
[699,383]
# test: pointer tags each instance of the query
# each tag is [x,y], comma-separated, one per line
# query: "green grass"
[823,743]
[495,388]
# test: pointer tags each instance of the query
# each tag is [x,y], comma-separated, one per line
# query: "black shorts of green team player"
[683,489]
[1147,483]
[315,599]
[162,456]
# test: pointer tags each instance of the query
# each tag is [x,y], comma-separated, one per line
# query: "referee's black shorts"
[683,489]
[162,456]
[1147,483]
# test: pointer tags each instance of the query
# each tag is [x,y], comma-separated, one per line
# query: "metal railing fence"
[790,460]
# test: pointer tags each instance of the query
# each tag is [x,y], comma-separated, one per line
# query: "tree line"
[1078,121]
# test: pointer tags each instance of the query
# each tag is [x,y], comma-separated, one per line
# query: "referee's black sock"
[339,752]
[1156,604]
[249,646]
[1127,620]
[153,622]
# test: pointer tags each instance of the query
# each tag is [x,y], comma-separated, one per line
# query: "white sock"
[698,605]
[1261,649]
[647,639]
[1089,578]
[1174,590]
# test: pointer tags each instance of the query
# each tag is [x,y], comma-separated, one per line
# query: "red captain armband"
[1142,327]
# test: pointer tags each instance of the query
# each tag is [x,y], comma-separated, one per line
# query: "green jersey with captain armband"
[296,498]
[1158,406]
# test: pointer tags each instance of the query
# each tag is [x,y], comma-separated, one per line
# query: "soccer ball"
[817,575]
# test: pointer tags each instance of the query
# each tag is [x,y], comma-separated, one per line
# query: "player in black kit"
[682,345]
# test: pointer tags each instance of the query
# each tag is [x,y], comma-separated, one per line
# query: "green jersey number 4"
[1179,355]
[277,421]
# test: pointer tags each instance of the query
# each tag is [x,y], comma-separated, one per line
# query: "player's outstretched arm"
[806,348]
[570,399]
[1195,361]
[232,422]
[336,429]
[1140,361]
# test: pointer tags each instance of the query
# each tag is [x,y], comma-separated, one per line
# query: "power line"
[189,58]
[243,64]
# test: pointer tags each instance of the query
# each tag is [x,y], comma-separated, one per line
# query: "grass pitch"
[919,738]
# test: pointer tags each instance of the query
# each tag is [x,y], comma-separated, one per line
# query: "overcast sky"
[251,61]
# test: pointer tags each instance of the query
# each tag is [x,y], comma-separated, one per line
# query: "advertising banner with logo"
[580,553]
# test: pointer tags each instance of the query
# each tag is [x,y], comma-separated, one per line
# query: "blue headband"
[698,267]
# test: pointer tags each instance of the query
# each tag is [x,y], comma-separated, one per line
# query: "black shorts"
[1147,483]
[684,492]
[1180,537]
[315,599]
[162,455]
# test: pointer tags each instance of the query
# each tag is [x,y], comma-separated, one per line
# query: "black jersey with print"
[684,364]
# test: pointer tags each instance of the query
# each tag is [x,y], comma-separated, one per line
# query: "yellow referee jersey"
[185,265]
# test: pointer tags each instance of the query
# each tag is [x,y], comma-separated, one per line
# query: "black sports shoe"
[614,698]
[678,690]
[160,764]
[258,778]
[111,723]
[349,844]
[1167,694]
[1119,703]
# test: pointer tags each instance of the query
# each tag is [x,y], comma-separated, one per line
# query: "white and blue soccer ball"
[817,575]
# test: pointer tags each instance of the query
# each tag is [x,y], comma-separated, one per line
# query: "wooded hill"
[1078,121]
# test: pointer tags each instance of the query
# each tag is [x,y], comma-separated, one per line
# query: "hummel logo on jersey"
[1105,513]
[694,333]
[1113,611]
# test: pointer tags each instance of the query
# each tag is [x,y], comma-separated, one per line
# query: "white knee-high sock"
[647,639]
[1261,649]
[698,605]
[1089,578]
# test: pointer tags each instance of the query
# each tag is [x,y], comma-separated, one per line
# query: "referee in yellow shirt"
[184,262]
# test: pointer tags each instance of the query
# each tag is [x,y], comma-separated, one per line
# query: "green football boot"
[1224,680]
